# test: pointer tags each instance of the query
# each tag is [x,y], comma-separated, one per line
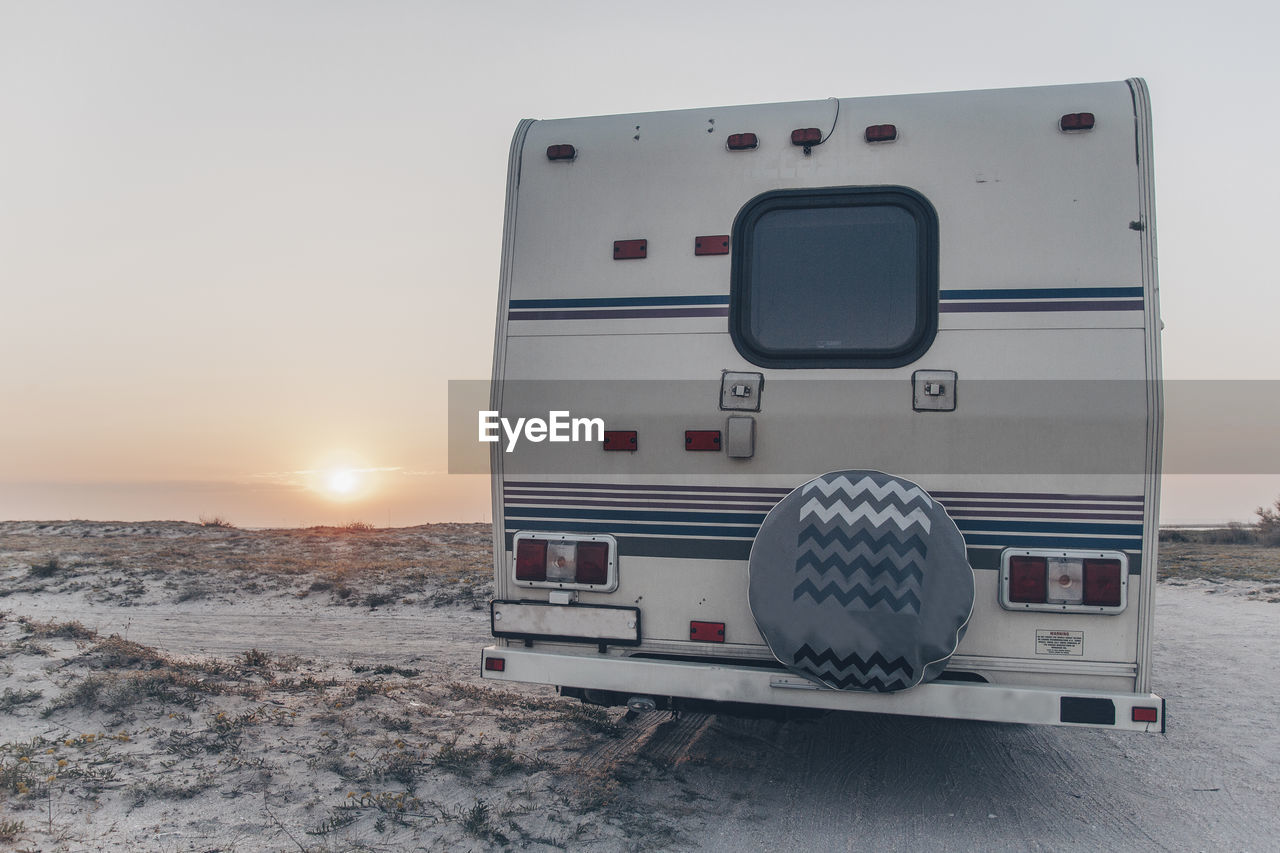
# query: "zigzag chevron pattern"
[915,494]
[873,673]
[908,600]
[823,539]
[852,550]
[859,579]
[851,515]
[860,556]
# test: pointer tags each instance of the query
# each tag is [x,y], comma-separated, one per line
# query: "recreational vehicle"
[847,404]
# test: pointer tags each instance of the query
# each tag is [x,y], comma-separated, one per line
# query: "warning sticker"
[1060,643]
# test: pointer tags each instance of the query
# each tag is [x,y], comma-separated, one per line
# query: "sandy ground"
[167,686]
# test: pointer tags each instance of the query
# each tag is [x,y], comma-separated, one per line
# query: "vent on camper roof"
[1076,121]
[881,133]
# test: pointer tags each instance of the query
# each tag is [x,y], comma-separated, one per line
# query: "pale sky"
[241,242]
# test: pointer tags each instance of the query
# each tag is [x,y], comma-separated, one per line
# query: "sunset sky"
[243,246]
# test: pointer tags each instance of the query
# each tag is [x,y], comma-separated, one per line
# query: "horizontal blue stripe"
[619,301]
[623,528]
[755,518]
[1046,293]
[1018,540]
[1048,527]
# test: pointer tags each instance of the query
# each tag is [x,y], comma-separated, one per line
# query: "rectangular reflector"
[1145,715]
[621,439]
[624,250]
[1027,580]
[1102,582]
[531,560]
[712,245]
[495,664]
[706,632]
[702,439]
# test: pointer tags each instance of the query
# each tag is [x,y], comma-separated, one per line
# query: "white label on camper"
[1060,643]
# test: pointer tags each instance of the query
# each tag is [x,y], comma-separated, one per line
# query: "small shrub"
[216,521]
[11,830]
[476,820]
[47,569]
[72,630]
[12,699]
[358,526]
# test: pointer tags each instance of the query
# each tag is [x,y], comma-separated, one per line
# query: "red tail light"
[742,141]
[593,562]
[495,664]
[1102,581]
[531,560]
[1145,715]
[560,560]
[1028,580]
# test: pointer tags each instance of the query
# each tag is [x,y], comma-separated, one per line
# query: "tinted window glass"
[835,278]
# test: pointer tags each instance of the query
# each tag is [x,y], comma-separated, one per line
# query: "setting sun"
[342,482]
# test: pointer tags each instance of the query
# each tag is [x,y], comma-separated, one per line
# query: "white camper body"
[1018,383]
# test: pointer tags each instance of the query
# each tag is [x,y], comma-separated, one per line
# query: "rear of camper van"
[845,404]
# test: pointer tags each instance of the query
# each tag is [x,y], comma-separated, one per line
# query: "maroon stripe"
[951,503]
[759,490]
[1043,496]
[619,313]
[1040,305]
[622,504]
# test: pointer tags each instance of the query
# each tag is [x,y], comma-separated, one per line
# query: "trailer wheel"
[859,580]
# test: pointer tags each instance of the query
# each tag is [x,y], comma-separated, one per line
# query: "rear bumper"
[724,683]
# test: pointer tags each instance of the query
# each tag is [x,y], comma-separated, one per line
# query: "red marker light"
[742,142]
[561,152]
[806,136]
[1145,715]
[881,133]
[1076,121]
[495,664]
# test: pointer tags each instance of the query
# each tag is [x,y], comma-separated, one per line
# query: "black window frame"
[926,327]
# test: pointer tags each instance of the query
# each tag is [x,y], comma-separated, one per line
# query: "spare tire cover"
[859,580]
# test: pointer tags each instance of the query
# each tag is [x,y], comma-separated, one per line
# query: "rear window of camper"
[835,278]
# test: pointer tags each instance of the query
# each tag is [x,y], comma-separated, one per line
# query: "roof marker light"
[881,133]
[806,136]
[742,142]
[563,151]
[1076,121]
